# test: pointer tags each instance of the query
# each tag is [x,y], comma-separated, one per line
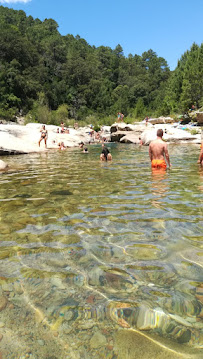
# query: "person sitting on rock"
[44,135]
[105,155]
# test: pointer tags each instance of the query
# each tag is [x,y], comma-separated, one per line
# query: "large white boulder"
[171,134]
[116,136]
[3,165]
[148,136]
[17,139]
[131,137]
[119,131]
[121,126]
[161,120]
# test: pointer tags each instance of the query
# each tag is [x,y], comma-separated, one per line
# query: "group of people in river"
[158,150]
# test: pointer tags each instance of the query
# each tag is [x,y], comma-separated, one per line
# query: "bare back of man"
[158,152]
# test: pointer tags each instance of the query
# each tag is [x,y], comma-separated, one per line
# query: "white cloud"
[13,1]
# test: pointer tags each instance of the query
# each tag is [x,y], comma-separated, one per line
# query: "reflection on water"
[159,186]
[96,257]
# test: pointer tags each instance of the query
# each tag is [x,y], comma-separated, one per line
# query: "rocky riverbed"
[81,325]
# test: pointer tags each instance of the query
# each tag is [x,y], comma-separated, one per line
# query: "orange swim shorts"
[159,164]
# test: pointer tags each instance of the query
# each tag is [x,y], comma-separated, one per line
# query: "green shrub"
[8,114]
[194,132]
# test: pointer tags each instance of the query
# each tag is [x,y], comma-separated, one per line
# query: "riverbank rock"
[172,134]
[3,165]
[199,117]
[131,137]
[122,126]
[117,136]
[17,139]
[161,120]
[122,132]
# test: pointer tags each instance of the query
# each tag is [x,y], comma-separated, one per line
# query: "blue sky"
[167,27]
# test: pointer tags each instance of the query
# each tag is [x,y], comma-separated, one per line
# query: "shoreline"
[23,139]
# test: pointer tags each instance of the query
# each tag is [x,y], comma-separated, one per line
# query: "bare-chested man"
[158,151]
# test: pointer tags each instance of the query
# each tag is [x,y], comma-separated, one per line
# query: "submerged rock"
[98,340]
[145,318]
[3,303]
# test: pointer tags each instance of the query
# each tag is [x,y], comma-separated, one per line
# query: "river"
[101,260]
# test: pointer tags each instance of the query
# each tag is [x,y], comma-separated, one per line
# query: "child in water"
[85,150]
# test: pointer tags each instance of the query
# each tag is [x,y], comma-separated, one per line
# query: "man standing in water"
[158,151]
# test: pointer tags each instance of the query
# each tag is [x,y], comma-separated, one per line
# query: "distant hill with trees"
[49,77]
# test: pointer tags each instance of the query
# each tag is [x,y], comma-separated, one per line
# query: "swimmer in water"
[85,150]
[105,155]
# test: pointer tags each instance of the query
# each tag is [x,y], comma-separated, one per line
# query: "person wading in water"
[158,152]
[105,155]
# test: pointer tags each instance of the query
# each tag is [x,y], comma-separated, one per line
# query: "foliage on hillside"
[49,77]
[185,86]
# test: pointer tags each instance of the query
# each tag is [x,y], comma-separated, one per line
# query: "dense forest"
[48,77]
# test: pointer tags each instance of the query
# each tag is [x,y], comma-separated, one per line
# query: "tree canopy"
[40,68]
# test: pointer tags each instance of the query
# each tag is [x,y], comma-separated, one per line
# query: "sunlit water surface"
[94,252]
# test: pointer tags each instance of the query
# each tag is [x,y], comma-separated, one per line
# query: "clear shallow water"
[92,253]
